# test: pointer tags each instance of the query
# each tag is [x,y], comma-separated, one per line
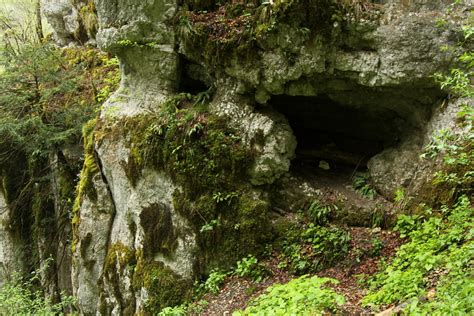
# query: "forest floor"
[237,292]
[359,263]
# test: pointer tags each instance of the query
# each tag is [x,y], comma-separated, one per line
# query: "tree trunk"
[39,23]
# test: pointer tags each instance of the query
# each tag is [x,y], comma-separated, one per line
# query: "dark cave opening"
[192,77]
[343,135]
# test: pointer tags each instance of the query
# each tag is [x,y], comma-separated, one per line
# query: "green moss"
[120,261]
[238,27]
[207,160]
[90,167]
[89,170]
[164,287]
[252,217]
[119,257]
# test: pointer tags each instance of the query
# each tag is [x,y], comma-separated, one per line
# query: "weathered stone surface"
[267,132]
[380,66]
[136,21]
[394,168]
[403,168]
[130,201]
[91,238]
[72,21]
[63,18]
[445,118]
[140,34]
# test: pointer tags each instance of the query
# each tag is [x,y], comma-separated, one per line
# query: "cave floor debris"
[337,183]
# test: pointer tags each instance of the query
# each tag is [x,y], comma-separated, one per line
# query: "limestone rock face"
[266,131]
[134,233]
[141,35]
[63,18]
[370,53]
[405,168]
[144,212]
[91,238]
[72,21]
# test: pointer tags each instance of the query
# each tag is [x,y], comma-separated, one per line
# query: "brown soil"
[237,292]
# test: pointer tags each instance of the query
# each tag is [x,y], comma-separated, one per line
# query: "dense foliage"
[19,297]
[48,94]
[435,263]
[302,296]
[432,272]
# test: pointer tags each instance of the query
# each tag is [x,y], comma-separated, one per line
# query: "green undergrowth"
[251,268]
[304,295]
[360,183]
[309,244]
[21,296]
[433,271]
[248,267]
[311,248]
[301,296]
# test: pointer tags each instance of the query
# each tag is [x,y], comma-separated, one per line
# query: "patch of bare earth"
[237,292]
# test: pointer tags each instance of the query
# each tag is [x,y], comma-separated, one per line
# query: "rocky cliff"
[197,154]
[73,21]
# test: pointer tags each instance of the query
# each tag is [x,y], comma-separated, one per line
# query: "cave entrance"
[342,135]
[193,77]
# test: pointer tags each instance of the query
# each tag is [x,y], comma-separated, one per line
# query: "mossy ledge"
[218,29]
